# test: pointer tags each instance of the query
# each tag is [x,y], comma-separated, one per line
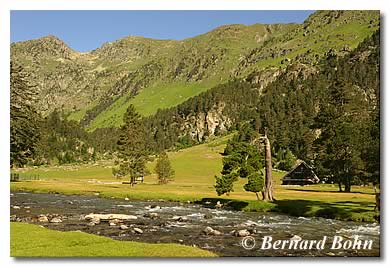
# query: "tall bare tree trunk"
[268,186]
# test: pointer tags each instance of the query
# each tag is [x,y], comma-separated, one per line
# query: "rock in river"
[124,227]
[114,222]
[152,215]
[43,218]
[242,233]
[208,216]
[91,224]
[210,231]
[296,238]
[107,217]
[138,230]
[180,218]
[95,220]
[56,220]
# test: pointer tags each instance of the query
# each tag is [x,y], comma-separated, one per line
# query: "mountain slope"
[96,87]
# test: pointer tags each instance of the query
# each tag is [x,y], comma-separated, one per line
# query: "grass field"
[195,169]
[29,240]
[148,101]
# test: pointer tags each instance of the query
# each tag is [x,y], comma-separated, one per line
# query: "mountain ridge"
[96,87]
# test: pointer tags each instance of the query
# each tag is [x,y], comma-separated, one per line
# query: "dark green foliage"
[24,118]
[241,159]
[132,151]
[63,142]
[255,184]
[285,160]
[163,168]
[343,119]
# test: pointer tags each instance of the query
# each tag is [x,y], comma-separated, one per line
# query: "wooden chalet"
[301,174]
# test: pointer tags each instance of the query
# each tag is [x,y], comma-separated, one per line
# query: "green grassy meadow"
[195,169]
[147,102]
[29,240]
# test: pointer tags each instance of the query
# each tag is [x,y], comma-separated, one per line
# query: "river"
[185,224]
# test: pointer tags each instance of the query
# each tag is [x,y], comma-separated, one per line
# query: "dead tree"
[268,182]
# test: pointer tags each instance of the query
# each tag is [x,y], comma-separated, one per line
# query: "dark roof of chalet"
[299,163]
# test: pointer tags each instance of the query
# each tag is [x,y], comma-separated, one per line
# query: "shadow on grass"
[342,210]
[227,203]
[326,191]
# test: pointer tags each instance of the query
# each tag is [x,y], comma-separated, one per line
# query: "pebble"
[43,218]
[124,227]
[152,215]
[242,233]
[138,230]
[56,220]
[208,216]
[296,238]
[95,221]
[210,231]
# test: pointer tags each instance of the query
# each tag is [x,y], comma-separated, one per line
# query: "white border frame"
[7,5]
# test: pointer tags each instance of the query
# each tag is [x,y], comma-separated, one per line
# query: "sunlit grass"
[195,169]
[34,241]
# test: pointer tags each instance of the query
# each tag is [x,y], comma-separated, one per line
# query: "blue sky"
[88,30]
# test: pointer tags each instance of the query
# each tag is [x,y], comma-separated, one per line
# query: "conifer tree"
[163,168]
[132,150]
[25,119]
[339,144]
[241,159]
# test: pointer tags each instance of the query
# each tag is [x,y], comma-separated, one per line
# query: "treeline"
[64,141]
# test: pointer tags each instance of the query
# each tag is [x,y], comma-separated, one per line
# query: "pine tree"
[132,150]
[163,168]
[25,121]
[241,159]
[339,144]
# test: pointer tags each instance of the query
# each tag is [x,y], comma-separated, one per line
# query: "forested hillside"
[313,86]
